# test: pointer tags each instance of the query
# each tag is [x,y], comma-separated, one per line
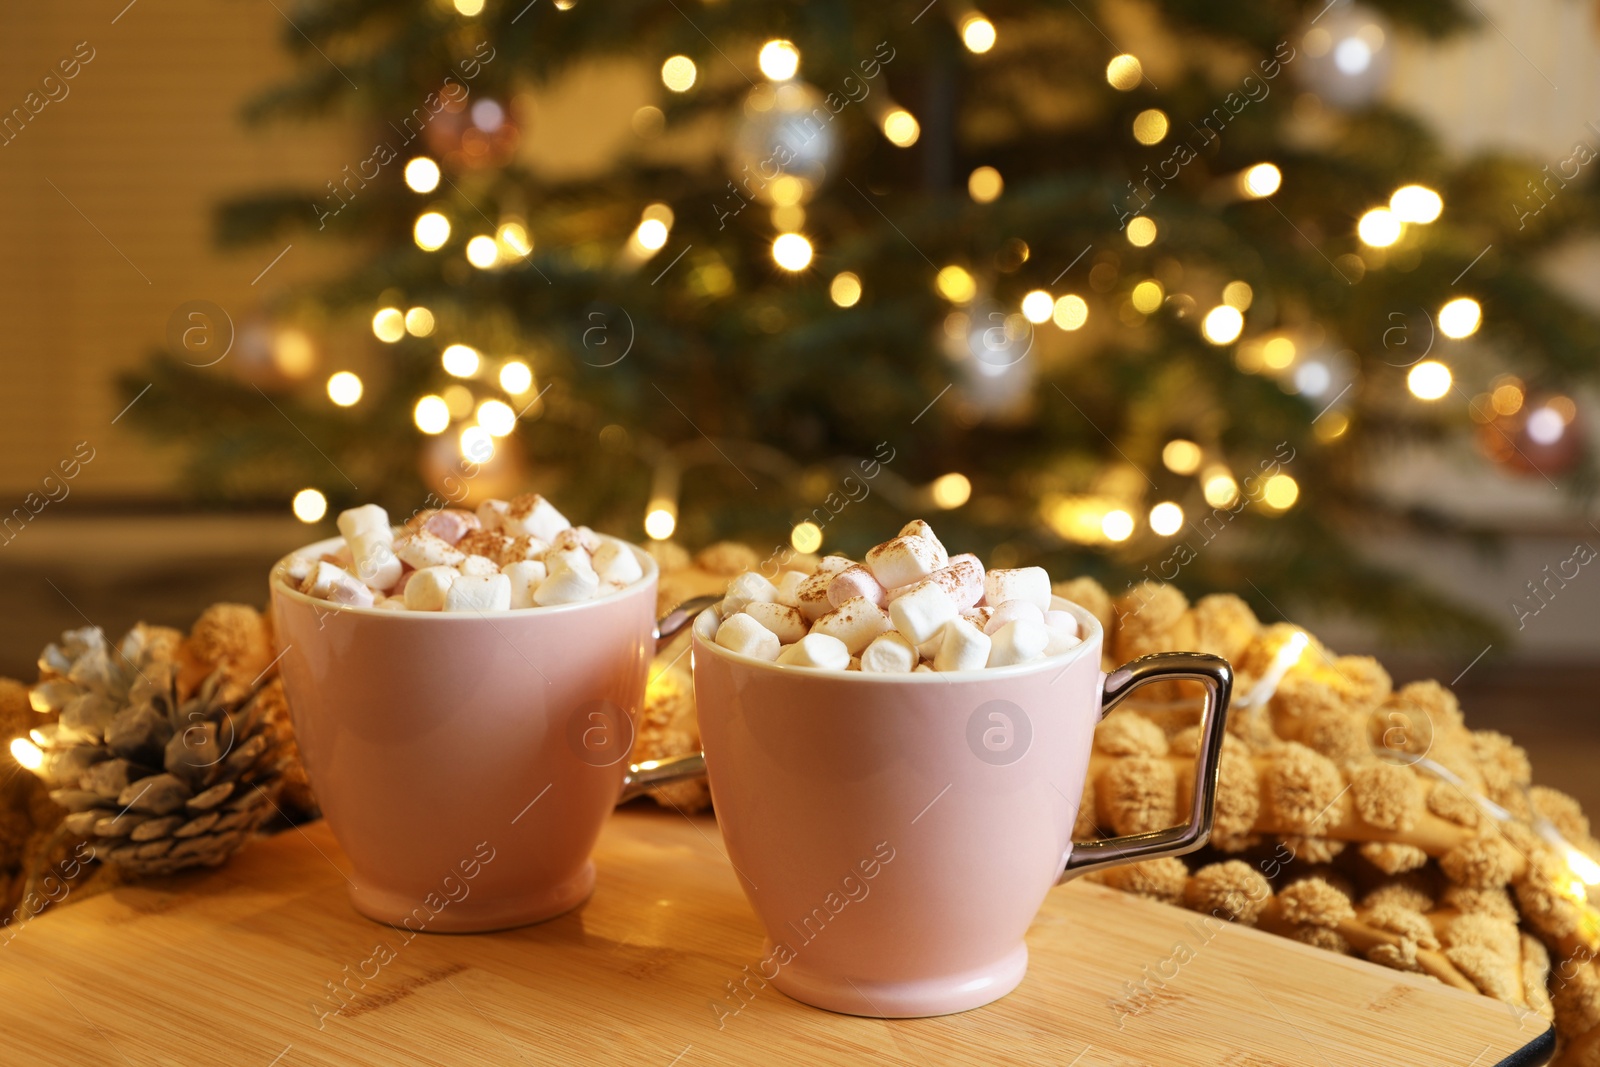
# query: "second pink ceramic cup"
[897,834]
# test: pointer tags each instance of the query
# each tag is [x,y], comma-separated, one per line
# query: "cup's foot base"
[469,915]
[944,995]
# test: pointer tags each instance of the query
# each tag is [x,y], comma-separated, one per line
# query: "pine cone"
[155,781]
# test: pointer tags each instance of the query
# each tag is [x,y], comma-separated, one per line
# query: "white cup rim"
[1088,629]
[317,549]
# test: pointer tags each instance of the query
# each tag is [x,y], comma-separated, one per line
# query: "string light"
[419,322]
[791,251]
[432,414]
[1037,306]
[1460,317]
[469,7]
[431,231]
[951,490]
[27,754]
[1222,325]
[985,184]
[516,377]
[788,218]
[1379,228]
[1429,380]
[512,237]
[1507,397]
[1278,353]
[1181,456]
[901,127]
[1416,203]
[497,417]
[955,284]
[461,360]
[1141,231]
[977,33]
[1117,525]
[344,389]
[1166,518]
[1150,126]
[662,519]
[1070,312]
[1147,296]
[309,505]
[388,325]
[477,444]
[1124,73]
[678,74]
[779,60]
[651,235]
[482,252]
[1219,488]
[845,289]
[1545,425]
[422,175]
[1280,492]
[1238,295]
[1261,180]
[806,537]
[458,400]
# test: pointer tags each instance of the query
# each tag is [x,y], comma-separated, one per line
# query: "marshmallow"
[964,648]
[450,525]
[811,596]
[567,585]
[489,592]
[390,603]
[855,622]
[918,528]
[747,588]
[492,514]
[426,588]
[817,650]
[1023,583]
[930,648]
[963,580]
[1060,641]
[478,567]
[922,668]
[331,582]
[525,575]
[297,568]
[1018,641]
[922,611]
[423,549]
[788,585]
[371,542]
[568,559]
[1065,621]
[852,582]
[615,562]
[487,543]
[833,564]
[979,617]
[786,622]
[368,520]
[577,537]
[1010,611]
[742,634]
[889,653]
[531,513]
[904,560]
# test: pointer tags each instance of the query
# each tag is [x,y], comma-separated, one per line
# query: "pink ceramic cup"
[466,762]
[896,834]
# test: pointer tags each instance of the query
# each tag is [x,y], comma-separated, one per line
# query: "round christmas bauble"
[472,134]
[1543,438]
[1346,54]
[783,144]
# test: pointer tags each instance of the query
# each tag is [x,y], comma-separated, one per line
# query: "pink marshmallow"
[855,581]
[451,525]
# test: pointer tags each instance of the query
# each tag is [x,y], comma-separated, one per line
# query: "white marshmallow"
[903,560]
[331,582]
[749,587]
[297,568]
[1010,611]
[1022,583]
[1065,621]
[964,648]
[855,622]
[423,549]
[889,653]
[919,528]
[370,539]
[426,588]
[930,648]
[922,611]
[525,575]
[573,559]
[786,622]
[531,513]
[492,514]
[979,617]
[1018,641]
[812,594]
[577,537]
[566,585]
[788,585]
[742,634]
[490,592]
[817,650]
[1060,641]
[963,580]
[478,567]
[852,582]
[833,564]
[615,562]
[369,520]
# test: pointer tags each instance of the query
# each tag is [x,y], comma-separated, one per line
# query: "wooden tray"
[236,966]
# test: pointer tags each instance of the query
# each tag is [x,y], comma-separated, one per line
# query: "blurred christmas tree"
[1090,322]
